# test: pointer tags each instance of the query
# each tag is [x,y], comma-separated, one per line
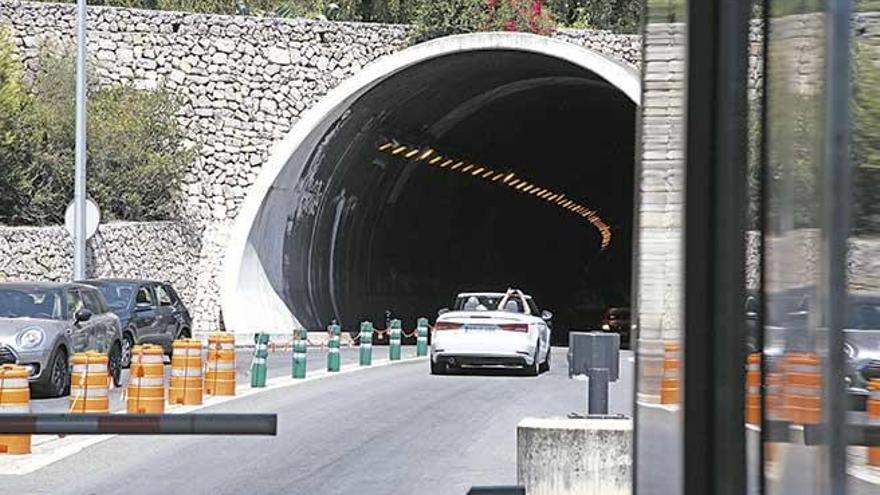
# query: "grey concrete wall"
[562,456]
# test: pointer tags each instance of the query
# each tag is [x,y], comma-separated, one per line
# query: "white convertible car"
[496,329]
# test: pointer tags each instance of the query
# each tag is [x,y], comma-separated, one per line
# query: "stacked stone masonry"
[245,81]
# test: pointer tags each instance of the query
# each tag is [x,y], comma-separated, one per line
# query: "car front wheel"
[55,381]
[545,366]
[438,368]
[127,345]
[114,364]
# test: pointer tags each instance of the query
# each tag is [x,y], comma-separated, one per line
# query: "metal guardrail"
[141,424]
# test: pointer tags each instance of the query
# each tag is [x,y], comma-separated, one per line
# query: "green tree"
[614,15]
[866,140]
[13,100]
[136,157]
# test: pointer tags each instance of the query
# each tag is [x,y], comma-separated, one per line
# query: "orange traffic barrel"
[775,384]
[803,388]
[146,385]
[15,398]
[670,384]
[220,374]
[874,414]
[89,383]
[186,373]
[753,389]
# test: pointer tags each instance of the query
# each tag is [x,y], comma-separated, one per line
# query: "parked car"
[617,320]
[42,324]
[496,329]
[150,312]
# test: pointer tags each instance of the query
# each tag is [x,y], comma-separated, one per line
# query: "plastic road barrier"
[333,361]
[220,374]
[300,348]
[670,388]
[422,337]
[89,383]
[394,341]
[366,343]
[803,388]
[146,385]
[186,373]
[258,366]
[874,414]
[753,389]
[15,398]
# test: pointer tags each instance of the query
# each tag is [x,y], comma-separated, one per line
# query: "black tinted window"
[144,296]
[91,301]
[118,296]
[162,296]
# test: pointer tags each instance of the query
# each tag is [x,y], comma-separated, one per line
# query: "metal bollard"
[258,366]
[422,337]
[333,347]
[394,341]
[300,339]
[366,338]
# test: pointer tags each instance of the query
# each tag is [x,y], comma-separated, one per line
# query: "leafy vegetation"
[136,158]
[433,16]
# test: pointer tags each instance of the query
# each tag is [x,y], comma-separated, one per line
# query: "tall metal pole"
[79,184]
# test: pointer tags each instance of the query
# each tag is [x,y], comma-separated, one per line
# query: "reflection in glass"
[658,291]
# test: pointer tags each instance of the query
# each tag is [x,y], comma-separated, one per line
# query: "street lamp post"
[79,184]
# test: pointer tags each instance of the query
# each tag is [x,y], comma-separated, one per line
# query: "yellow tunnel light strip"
[510,179]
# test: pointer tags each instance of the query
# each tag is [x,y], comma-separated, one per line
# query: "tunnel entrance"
[393,209]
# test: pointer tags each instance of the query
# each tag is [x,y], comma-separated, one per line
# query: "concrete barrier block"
[562,456]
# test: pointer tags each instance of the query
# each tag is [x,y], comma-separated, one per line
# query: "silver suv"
[42,324]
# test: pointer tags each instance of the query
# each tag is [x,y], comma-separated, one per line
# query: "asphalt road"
[389,430]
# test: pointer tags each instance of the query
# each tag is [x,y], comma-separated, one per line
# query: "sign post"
[79,183]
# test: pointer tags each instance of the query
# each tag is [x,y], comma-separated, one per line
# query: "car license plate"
[478,328]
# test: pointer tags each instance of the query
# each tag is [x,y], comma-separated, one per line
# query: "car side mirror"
[142,306]
[84,314]
[443,310]
[546,315]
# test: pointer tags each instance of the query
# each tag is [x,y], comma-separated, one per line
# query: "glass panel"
[657,319]
[862,332]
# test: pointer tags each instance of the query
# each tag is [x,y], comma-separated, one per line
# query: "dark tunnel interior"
[393,234]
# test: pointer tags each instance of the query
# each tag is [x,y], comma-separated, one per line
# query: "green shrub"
[136,159]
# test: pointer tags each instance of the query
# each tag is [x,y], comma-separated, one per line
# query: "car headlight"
[850,351]
[606,326]
[31,338]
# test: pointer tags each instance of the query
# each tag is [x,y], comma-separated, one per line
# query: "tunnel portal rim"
[234,309]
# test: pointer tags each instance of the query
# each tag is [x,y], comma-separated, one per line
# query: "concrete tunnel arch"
[256,294]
